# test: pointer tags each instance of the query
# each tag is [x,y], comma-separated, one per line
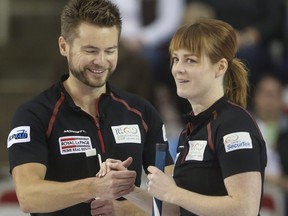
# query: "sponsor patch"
[196,150]
[126,133]
[75,131]
[236,141]
[19,135]
[90,152]
[74,144]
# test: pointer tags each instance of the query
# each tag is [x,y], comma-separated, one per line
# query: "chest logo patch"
[74,144]
[196,150]
[19,135]
[236,141]
[126,133]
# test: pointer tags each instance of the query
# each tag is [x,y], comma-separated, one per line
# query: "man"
[56,138]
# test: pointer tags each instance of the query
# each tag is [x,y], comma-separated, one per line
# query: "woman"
[219,169]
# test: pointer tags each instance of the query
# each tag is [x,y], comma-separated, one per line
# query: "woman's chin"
[182,94]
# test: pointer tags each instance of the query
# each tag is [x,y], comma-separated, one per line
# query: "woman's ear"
[222,67]
[63,46]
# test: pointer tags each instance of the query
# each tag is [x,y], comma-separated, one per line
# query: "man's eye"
[110,52]
[90,51]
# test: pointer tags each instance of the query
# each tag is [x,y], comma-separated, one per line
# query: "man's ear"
[63,46]
[222,67]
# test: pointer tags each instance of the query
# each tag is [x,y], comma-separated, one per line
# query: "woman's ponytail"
[236,82]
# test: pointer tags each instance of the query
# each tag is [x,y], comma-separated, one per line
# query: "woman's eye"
[190,61]
[174,59]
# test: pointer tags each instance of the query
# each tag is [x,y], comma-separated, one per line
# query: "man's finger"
[127,162]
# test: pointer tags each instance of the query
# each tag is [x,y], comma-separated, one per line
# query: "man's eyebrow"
[93,47]
[113,47]
[89,47]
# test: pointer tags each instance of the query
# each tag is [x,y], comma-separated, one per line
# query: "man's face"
[92,55]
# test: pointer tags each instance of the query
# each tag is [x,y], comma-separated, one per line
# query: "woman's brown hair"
[216,39]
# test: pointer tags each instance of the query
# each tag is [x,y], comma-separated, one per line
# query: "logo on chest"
[196,150]
[74,144]
[126,134]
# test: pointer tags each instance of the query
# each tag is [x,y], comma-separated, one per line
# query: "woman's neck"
[204,103]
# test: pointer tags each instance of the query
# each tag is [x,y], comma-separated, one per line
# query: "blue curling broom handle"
[160,164]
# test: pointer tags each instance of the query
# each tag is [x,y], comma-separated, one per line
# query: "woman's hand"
[101,207]
[160,185]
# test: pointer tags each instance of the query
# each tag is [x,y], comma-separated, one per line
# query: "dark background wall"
[28,55]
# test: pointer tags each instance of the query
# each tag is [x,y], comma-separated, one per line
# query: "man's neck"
[84,96]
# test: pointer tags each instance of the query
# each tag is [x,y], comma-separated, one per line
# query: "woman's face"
[195,77]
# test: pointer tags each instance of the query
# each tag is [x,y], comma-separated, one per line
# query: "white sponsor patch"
[19,135]
[236,141]
[126,133]
[164,133]
[90,152]
[196,150]
[74,144]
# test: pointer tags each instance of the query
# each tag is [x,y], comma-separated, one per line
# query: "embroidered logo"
[19,135]
[236,141]
[74,144]
[126,133]
[196,150]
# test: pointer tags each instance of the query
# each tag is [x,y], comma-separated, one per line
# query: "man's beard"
[82,75]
